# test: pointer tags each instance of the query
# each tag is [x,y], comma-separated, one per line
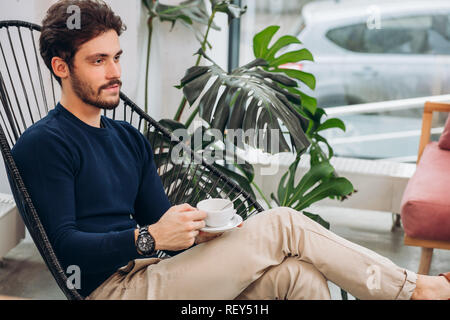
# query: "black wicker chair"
[28,90]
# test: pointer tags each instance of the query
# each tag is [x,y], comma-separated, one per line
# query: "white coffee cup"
[215,216]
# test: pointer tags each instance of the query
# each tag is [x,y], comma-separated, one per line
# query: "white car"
[368,51]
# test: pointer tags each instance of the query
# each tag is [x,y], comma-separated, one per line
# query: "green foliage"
[317,184]
[263,50]
[248,98]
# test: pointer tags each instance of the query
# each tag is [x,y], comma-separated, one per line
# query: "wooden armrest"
[437,106]
[427,117]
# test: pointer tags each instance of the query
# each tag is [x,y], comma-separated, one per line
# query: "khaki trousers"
[277,254]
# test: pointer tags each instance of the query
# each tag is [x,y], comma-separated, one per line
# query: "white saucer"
[234,222]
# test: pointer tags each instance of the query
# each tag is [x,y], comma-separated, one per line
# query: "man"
[94,183]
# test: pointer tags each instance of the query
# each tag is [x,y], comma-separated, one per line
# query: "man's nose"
[114,70]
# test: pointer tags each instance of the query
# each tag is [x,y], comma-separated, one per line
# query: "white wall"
[171,53]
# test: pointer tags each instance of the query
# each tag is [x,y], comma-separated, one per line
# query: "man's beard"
[89,96]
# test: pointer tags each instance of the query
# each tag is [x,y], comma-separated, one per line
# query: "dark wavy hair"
[60,39]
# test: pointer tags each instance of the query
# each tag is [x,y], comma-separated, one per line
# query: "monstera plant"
[264,95]
[248,98]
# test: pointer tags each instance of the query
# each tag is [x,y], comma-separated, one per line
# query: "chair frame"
[25,203]
[427,245]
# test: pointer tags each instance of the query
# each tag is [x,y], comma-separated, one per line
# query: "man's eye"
[98,61]
[117,58]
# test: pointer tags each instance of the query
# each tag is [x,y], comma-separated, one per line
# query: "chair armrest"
[427,117]
[437,106]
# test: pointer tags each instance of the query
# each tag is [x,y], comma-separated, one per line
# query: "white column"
[17,10]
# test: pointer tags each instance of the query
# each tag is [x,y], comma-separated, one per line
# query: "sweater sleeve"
[48,168]
[151,202]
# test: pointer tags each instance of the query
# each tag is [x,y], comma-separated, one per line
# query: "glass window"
[405,68]
[410,35]
[349,37]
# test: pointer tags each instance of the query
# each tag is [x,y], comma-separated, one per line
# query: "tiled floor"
[24,273]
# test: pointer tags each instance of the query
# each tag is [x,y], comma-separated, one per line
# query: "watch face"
[145,244]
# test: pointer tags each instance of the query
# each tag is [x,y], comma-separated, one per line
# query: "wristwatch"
[145,243]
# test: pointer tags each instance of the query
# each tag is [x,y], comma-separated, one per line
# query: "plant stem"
[203,44]
[262,194]
[180,109]
[147,70]
[191,117]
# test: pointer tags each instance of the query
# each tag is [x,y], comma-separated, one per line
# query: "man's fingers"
[199,224]
[194,233]
[198,215]
[185,207]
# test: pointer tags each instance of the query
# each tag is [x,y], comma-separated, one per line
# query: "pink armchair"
[425,208]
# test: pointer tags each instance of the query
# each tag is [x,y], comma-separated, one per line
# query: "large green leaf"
[285,187]
[332,187]
[261,41]
[256,101]
[317,219]
[318,183]
[317,155]
[332,123]
[307,102]
[288,193]
[305,77]
[292,56]
[317,137]
[320,172]
[276,58]
[281,43]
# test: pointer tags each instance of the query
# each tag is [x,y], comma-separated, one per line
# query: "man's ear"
[60,67]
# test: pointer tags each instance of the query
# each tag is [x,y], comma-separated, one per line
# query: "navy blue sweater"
[91,187]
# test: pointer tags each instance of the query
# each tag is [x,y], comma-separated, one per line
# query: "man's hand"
[207,236]
[178,228]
